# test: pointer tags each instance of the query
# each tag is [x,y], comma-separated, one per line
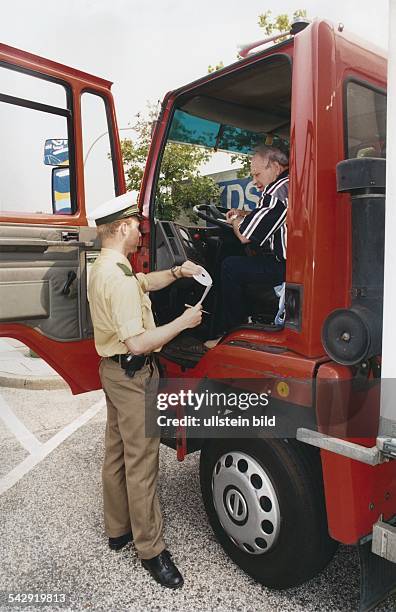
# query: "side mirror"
[60,183]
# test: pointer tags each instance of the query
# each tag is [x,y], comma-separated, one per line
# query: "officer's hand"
[189,268]
[192,316]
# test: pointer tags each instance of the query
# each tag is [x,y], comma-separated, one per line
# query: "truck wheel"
[264,500]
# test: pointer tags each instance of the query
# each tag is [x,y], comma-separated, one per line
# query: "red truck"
[278,505]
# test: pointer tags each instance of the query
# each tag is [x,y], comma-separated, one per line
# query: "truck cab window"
[32,113]
[366,121]
[98,164]
[29,86]
[205,171]
[207,162]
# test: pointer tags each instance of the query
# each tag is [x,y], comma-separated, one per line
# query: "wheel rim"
[246,502]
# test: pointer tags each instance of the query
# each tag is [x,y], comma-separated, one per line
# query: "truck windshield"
[190,129]
[214,129]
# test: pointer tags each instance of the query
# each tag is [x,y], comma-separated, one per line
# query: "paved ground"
[52,538]
[18,369]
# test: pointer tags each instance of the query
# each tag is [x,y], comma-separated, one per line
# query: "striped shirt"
[268,221]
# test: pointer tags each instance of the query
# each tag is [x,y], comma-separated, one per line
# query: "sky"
[146,48]
[150,47]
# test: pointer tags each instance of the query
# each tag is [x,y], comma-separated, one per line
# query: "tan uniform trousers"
[130,467]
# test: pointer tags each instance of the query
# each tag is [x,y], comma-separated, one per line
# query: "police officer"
[125,337]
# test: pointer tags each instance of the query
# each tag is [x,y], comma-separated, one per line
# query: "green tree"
[280,23]
[218,66]
[271,25]
[180,185]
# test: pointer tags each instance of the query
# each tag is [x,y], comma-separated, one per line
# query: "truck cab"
[277,505]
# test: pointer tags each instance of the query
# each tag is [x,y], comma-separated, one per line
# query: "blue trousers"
[236,273]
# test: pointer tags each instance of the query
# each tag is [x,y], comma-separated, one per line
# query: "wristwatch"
[174,272]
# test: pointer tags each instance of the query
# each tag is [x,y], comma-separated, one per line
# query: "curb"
[47,383]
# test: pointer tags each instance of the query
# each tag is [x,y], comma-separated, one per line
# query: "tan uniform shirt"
[119,305]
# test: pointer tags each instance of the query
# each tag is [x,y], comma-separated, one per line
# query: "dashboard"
[176,243]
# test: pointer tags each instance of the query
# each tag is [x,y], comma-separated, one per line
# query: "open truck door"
[51,177]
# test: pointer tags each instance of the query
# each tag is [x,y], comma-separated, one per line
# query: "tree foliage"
[218,66]
[271,25]
[134,152]
[180,185]
[280,23]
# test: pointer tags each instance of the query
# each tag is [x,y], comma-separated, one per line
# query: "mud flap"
[377,577]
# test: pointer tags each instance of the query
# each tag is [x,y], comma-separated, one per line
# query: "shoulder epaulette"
[125,269]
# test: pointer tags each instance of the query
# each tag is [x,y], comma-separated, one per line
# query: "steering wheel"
[216,215]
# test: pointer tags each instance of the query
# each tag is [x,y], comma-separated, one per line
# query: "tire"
[265,503]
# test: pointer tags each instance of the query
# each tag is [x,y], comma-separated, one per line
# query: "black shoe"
[163,570]
[121,541]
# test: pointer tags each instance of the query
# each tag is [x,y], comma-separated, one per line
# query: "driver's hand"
[234,213]
[189,269]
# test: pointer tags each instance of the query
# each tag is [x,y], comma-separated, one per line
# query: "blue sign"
[56,152]
[239,193]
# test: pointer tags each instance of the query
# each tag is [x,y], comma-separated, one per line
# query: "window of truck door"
[100,177]
[33,110]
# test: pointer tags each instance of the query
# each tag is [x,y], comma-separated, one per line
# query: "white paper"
[204,278]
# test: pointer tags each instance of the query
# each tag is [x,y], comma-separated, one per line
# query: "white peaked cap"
[120,207]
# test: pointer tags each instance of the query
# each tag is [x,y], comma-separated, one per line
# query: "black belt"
[132,363]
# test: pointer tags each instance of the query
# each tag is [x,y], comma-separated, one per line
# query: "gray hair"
[272,154]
